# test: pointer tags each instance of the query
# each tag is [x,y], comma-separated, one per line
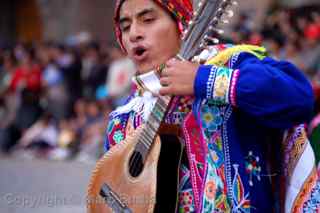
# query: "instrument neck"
[151,127]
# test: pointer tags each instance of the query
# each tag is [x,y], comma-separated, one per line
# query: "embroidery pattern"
[211,119]
[179,108]
[306,190]
[241,202]
[196,152]
[186,199]
[215,197]
[294,144]
[115,130]
[252,167]
[222,85]
[118,136]
[313,203]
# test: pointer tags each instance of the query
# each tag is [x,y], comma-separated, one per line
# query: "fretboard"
[152,125]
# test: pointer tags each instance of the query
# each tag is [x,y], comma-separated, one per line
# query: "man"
[237,113]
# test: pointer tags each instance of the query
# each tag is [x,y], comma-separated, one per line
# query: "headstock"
[203,28]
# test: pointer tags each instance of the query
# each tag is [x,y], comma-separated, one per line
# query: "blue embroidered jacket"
[241,110]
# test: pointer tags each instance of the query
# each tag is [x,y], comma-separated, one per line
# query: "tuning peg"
[235,3]
[202,45]
[219,31]
[215,40]
[219,13]
[214,22]
[225,4]
[212,39]
[230,13]
[225,21]
[212,29]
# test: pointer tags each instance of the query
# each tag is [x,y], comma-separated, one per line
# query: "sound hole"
[135,164]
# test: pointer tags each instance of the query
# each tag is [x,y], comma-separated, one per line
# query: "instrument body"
[153,190]
[113,169]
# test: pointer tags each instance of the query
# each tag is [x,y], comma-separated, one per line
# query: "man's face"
[149,34]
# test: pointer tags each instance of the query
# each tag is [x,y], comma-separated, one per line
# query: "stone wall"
[63,18]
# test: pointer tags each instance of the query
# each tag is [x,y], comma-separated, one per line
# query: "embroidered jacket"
[246,147]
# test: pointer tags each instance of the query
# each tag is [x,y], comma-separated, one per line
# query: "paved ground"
[38,186]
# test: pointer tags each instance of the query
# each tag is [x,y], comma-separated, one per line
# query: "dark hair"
[11,56]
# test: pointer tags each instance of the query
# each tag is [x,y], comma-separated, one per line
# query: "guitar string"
[135,159]
[145,136]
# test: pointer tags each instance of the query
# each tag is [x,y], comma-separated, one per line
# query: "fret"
[153,124]
[165,100]
[152,127]
[155,118]
[148,138]
[158,116]
[144,139]
[161,107]
[145,145]
[162,104]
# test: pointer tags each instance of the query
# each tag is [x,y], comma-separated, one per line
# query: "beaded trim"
[234,81]
[210,81]
[233,60]
[225,140]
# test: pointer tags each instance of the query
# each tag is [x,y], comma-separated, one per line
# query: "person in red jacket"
[27,75]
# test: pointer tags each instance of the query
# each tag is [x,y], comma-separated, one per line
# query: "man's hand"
[178,77]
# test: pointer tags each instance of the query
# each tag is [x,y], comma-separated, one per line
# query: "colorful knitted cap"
[180,9]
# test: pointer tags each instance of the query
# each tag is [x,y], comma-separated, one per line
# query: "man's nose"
[136,33]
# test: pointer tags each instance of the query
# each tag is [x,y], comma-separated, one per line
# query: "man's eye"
[148,20]
[125,28]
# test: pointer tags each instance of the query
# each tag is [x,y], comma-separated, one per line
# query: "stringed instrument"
[133,175]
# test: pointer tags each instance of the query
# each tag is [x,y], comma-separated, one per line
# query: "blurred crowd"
[287,33]
[55,97]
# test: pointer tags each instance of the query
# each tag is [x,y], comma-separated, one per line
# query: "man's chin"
[145,69]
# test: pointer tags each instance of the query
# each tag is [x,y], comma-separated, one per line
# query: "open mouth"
[139,53]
